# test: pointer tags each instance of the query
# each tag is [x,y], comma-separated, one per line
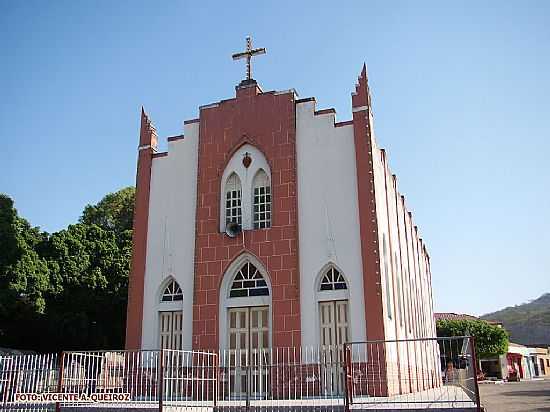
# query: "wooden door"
[171,326]
[248,341]
[334,328]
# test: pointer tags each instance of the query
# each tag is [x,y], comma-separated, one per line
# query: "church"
[269,224]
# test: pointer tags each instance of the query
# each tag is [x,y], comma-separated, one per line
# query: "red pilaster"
[367,209]
[146,149]
[374,313]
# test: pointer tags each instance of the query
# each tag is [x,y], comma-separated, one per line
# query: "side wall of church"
[406,286]
[171,234]
[328,215]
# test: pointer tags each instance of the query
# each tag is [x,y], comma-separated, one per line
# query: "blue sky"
[461,101]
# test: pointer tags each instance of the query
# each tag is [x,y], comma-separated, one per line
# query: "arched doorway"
[170,315]
[245,324]
[334,326]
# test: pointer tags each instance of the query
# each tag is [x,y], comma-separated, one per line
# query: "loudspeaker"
[233,229]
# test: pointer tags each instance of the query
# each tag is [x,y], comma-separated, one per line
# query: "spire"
[147,133]
[361,97]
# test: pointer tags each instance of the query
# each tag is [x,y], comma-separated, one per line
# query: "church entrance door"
[248,350]
[170,329]
[334,328]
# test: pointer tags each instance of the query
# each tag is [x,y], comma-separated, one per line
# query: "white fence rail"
[401,373]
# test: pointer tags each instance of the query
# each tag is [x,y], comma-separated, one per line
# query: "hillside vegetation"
[528,324]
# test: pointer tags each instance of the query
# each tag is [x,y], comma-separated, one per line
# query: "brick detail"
[267,121]
[368,221]
[134,315]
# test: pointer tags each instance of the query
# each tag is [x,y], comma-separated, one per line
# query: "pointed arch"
[246,172]
[332,279]
[170,317]
[261,190]
[170,291]
[245,284]
[333,306]
[331,282]
[248,281]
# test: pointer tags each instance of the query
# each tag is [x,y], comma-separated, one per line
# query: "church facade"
[269,224]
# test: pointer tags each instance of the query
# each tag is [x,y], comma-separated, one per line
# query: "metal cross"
[248,53]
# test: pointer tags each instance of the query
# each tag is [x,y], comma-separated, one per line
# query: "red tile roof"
[453,316]
[461,316]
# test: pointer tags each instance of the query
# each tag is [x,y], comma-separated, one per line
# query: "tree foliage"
[24,275]
[490,340]
[114,212]
[66,290]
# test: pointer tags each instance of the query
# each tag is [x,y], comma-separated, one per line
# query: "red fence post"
[60,380]
[474,361]
[348,381]
[160,387]
[216,373]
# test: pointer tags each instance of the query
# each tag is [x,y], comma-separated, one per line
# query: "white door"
[248,341]
[170,329]
[334,328]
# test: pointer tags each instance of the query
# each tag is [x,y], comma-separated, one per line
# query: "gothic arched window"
[172,292]
[262,200]
[333,280]
[248,282]
[233,196]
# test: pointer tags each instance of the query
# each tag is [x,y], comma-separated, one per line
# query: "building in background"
[268,223]
[492,367]
[540,361]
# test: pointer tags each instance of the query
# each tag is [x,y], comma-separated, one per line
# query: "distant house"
[521,362]
[539,360]
[494,367]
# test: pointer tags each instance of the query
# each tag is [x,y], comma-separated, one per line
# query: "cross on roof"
[247,54]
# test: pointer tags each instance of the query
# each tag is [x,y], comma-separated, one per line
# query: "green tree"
[490,340]
[67,290]
[114,212]
[24,274]
[92,265]
[91,262]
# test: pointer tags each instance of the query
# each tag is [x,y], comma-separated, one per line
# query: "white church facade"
[321,249]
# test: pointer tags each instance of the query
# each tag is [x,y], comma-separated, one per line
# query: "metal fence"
[359,375]
[416,372]
[26,374]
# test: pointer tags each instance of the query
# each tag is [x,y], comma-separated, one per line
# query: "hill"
[528,324]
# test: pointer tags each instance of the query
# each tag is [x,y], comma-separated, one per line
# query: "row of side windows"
[261,200]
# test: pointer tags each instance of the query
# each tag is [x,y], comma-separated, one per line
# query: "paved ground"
[525,396]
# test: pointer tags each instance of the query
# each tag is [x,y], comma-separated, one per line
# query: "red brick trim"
[367,211]
[324,111]
[175,138]
[307,99]
[368,222]
[134,318]
[345,123]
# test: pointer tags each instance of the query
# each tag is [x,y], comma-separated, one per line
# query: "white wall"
[171,234]
[328,216]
